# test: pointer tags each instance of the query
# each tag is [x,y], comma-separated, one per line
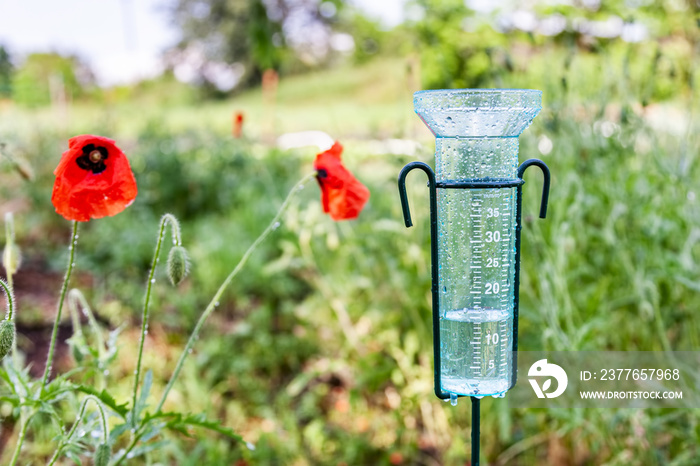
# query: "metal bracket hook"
[402,189]
[545,187]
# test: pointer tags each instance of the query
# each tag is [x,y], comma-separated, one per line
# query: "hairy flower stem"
[10,299]
[175,226]
[24,425]
[214,302]
[64,289]
[78,420]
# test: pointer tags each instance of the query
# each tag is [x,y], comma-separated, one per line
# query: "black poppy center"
[93,158]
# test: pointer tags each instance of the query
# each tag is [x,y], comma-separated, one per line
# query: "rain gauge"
[475,223]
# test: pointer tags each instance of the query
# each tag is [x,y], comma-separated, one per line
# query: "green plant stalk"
[78,420]
[137,436]
[167,218]
[75,318]
[75,295]
[24,424]
[64,289]
[214,302]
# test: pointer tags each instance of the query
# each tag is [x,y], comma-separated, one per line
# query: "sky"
[121,40]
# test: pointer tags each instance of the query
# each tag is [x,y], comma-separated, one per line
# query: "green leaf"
[151,430]
[142,450]
[13,400]
[74,456]
[106,398]
[180,423]
[117,431]
[17,380]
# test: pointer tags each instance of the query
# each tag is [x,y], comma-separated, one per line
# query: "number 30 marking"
[493,236]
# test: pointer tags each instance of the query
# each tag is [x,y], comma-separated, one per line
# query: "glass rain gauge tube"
[475,216]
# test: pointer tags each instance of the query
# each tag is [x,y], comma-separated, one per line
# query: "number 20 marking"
[492,288]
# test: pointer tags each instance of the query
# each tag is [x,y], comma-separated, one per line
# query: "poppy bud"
[11,258]
[178,264]
[102,455]
[7,337]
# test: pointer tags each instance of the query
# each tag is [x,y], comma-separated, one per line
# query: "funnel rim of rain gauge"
[477,113]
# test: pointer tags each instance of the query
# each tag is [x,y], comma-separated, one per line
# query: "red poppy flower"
[343,197]
[93,180]
[237,129]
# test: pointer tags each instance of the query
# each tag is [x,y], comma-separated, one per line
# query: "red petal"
[80,194]
[342,195]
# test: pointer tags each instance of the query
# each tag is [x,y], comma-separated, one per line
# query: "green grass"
[373,100]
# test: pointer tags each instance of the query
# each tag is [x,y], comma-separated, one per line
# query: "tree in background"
[225,43]
[451,56]
[462,49]
[50,77]
[6,69]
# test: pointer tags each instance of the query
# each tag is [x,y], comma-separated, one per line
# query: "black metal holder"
[471,184]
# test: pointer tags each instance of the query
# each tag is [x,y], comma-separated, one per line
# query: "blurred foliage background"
[320,352]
